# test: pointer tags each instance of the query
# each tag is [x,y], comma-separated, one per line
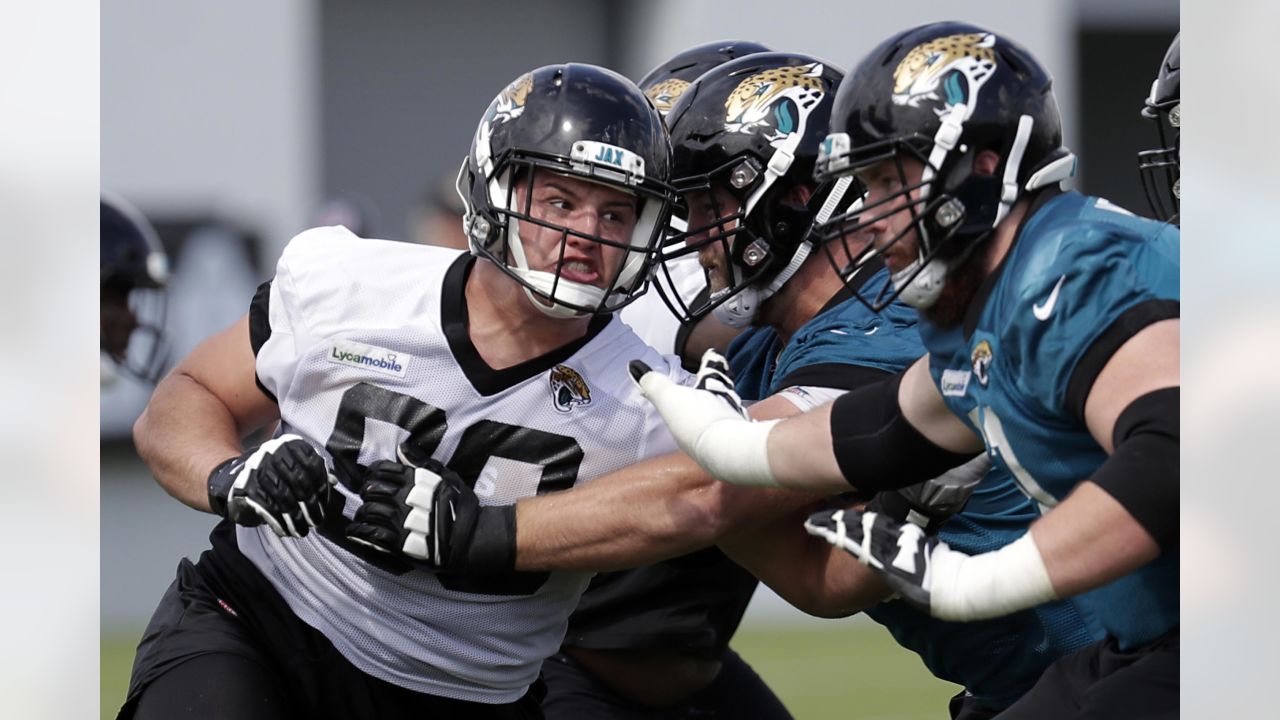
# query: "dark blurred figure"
[1159,169]
[133,303]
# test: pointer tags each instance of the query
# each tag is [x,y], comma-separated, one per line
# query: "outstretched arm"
[656,509]
[653,510]
[884,435]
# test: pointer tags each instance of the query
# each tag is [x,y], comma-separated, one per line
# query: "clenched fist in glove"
[283,482]
[429,516]
[927,573]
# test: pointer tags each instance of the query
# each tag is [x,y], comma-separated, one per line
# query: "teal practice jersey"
[995,660]
[1082,277]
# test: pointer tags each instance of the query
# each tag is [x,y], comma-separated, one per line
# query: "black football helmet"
[942,93]
[576,120]
[132,293]
[751,127]
[1158,168]
[667,82]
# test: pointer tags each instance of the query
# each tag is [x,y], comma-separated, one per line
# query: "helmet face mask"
[580,122]
[942,95]
[914,219]
[746,135]
[717,218]
[1158,168]
[132,294]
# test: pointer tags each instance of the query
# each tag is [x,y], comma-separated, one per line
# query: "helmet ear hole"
[986,163]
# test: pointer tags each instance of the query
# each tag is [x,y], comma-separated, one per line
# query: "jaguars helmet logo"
[946,71]
[981,360]
[508,106]
[568,389]
[666,93]
[775,102]
[510,102]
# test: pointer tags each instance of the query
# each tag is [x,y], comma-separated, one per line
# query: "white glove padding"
[283,482]
[430,516]
[400,514]
[927,573]
[709,423]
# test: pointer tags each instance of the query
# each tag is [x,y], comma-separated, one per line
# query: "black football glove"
[902,552]
[429,516]
[283,482]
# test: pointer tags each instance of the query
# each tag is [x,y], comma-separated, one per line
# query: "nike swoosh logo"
[1043,311]
[872,331]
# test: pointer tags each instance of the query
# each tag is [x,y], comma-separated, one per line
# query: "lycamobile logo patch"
[369,357]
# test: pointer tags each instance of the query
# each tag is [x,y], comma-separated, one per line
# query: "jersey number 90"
[559,456]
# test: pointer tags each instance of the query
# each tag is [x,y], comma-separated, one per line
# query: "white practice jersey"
[649,315]
[364,345]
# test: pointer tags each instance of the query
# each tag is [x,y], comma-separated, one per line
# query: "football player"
[1051,321]
[135,271]
[682,278]
[644,633]
[1159,167]
[654,640]
[379,361]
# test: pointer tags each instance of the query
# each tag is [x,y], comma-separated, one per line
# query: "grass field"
[824,671]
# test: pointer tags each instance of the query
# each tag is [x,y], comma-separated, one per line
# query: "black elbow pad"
[876,448]
[1143,472]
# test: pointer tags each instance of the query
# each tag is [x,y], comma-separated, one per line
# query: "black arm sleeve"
[1142,474]
[876,448]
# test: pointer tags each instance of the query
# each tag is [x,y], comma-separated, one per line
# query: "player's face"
[712,219]
[888,211]
[580,207]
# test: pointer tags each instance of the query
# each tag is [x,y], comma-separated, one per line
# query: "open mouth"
[579,271]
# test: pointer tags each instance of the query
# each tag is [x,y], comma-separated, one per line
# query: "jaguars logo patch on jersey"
[568,388]
[981,359]
[775,102]
[948,71]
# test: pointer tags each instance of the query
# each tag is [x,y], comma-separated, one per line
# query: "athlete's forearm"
[1090,540]
[801,455]
[805,571]
[659,508]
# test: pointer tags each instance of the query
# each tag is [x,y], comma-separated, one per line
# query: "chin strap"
[740,310]
[922,291]
[1009,186]
[806,246]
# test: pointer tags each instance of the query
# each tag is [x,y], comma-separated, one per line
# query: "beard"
[961,285]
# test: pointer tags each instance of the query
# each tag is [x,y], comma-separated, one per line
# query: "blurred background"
[235,125]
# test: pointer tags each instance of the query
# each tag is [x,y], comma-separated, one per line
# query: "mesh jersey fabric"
[359,358]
